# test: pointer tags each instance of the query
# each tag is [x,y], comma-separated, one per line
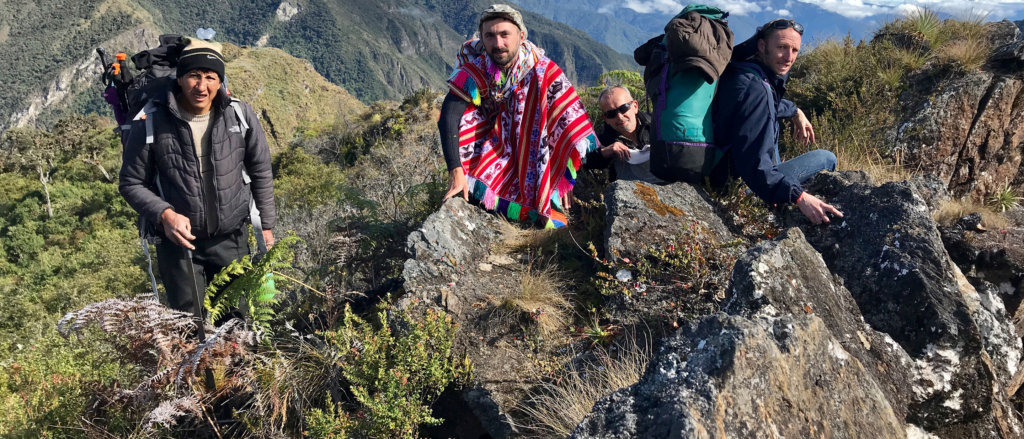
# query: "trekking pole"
[198,311]
[103,63]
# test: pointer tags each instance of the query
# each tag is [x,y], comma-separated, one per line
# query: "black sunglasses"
[621,109]
[781,23]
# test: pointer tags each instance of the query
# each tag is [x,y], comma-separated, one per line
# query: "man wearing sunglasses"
[626,138]
[748,107]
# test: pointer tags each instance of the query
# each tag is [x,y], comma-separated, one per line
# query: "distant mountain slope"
[625,24]
[588,16]
[38,40]
[375,50]
[285,92]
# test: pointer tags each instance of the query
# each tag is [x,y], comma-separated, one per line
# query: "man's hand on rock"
[457,183]
[803,132]
[177,228]
[616,150]
[816,210]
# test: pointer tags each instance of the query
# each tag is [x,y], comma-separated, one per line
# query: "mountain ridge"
[381,50]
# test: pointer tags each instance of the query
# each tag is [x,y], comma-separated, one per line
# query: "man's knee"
[828,160]
[822,160]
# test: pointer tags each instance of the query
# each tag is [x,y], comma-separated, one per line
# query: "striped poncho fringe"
[523,148]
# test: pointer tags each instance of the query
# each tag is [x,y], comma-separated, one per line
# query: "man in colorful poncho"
[513,130]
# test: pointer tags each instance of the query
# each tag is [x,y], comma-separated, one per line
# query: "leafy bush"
[396,366]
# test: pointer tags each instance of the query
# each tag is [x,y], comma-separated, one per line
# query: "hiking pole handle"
[103,56]
[103,63]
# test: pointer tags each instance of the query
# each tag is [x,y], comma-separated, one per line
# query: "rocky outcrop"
[729,376]
[861,328]
[448,244]
[456,265]
[789,277]
[77,78]
[969,131]
[642,216]
[891,258]
[656,224]
[873,296]
[285,11]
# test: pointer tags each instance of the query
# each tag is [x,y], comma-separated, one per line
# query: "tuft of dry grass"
[970,53]
[556,408]
[517,238]
[953,210]
[538,303]
[855,150]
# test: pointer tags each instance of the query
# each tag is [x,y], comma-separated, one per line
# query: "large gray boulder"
[642,216]
[443,272]
[889,255]
[729,376]
[450,242]
[659,226]
[788,277]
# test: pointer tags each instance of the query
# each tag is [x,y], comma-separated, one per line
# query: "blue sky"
[830,18]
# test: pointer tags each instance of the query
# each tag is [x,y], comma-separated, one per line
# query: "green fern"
[243,280]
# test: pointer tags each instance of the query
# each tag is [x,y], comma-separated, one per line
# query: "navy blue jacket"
[747,108]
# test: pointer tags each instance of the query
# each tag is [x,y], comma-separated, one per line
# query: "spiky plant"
[1004,199]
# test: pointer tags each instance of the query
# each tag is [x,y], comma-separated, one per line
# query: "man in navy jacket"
[747,109]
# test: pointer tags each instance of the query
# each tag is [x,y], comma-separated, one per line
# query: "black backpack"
[158,72]
[159,67]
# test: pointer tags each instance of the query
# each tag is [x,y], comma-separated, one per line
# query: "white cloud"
[857,9]
[649,6]
[739,7]
[852,8]
[735,7]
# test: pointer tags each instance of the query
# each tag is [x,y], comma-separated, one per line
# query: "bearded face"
[502,39]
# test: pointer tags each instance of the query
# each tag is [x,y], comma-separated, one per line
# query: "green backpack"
[682,141]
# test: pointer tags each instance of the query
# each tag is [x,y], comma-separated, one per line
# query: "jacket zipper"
[199,174]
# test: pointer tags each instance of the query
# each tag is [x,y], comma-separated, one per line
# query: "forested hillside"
[375,50]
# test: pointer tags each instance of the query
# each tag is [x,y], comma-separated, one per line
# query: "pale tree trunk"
[44,178]
[97,164]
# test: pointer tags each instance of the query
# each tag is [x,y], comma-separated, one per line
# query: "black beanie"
[199,54]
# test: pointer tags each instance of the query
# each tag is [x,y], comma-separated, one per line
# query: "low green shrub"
[396,366]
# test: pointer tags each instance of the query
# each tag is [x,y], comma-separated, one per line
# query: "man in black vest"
[188,177]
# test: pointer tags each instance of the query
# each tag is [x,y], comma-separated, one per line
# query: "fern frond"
[138,325]
[244,280]
[188,367]
[166,415]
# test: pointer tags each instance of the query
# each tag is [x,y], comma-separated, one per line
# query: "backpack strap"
[237,105]
[254,218]
[254,213]
[143,114]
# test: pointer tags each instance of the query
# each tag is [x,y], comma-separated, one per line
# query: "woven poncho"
[523,135]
